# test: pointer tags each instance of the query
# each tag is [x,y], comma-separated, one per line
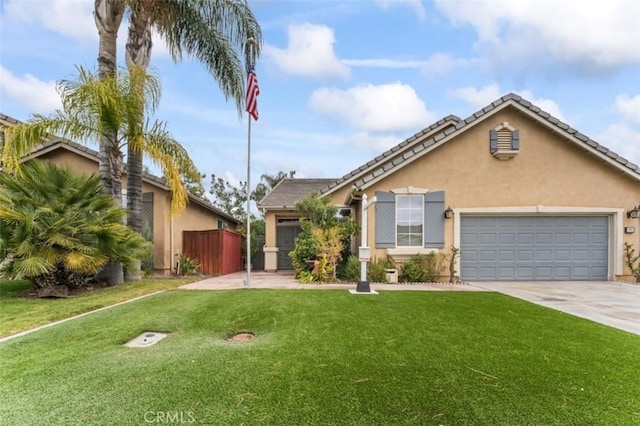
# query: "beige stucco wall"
[71,160]
[167,230]
[548,171]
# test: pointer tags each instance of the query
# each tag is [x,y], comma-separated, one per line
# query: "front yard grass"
[324,357]
[19,313]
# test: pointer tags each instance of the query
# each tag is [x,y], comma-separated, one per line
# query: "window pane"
[404,215]
[409,220]
[416,215]
[403,201]
[403,240]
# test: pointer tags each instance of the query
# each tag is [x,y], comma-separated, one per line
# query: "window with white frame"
[409,220]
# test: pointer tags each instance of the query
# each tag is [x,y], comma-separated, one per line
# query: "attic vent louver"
[504,142]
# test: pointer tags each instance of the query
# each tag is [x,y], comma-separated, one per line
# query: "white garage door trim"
[616,218]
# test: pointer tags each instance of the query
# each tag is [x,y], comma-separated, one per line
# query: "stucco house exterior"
[167,230]
[523,195]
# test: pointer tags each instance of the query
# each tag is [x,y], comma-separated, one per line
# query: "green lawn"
[20,313]
[324,357]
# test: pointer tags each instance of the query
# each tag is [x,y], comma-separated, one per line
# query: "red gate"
[218,251]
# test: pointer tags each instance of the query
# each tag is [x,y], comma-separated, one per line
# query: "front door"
[285,240]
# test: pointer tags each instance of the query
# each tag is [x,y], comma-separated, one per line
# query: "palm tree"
[212,31]
[117,105]
[58,227]
[108,17]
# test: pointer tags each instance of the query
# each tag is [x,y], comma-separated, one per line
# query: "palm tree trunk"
[108,17]
[138,53]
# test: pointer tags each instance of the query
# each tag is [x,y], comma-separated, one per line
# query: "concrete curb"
[51,324]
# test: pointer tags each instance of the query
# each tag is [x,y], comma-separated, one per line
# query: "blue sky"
[341,81]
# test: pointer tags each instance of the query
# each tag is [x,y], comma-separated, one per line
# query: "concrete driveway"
[610,303]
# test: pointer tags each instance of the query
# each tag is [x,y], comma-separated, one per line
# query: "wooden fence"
[218,251]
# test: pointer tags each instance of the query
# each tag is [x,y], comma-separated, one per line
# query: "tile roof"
[94,155]
[289,190]
[384,167]
[390,154]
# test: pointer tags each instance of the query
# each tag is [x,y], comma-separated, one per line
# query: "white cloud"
[438,63]
[72,18]
[383,108]
[415,5]
[376,143]
[596,34]
[629,107]
[480,98]
[40,96]
[623,140]
[309,53]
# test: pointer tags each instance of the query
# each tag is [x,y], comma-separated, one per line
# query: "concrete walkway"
[610,303]
[284,280]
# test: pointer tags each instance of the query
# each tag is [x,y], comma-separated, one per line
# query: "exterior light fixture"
[448,213]
[634,213]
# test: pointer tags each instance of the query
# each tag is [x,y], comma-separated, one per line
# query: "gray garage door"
[534,248]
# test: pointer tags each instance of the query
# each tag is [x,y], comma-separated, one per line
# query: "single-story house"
[522,194]
[167,230]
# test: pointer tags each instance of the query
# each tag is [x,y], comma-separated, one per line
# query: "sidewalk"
[286,280]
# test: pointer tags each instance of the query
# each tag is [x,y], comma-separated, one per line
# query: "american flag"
[252,93]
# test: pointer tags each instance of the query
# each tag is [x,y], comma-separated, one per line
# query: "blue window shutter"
[385,219]
[493,141]
[515,140]
[434,219]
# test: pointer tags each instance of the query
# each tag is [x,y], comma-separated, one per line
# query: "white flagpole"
[248,282]
[250,43]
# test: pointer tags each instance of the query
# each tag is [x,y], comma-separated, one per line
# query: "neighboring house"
[526,197]
[166,230]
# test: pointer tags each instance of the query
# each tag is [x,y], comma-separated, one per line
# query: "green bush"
[57,227]
[422,268]
[377,270]
[188,266]
[350,270]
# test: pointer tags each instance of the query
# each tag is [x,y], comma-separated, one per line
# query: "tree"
[93,108]
[58,227]
[268,182]
[228,197]
[108,17]
[324,238]
[212,31]
[232,198]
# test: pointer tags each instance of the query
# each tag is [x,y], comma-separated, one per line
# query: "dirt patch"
[245,336]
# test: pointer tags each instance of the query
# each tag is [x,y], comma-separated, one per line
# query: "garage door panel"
[544,238]
[525,238]
[599,238]
[506,255]
[487,238]
[544,255]
[562,255]
[524,255]
[534,248]
[599,254]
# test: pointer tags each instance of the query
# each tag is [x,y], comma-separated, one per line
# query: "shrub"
[377,270]
[632,261]
[324,238]
[350,270]
[57,227]
[422,268]
[188,266]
